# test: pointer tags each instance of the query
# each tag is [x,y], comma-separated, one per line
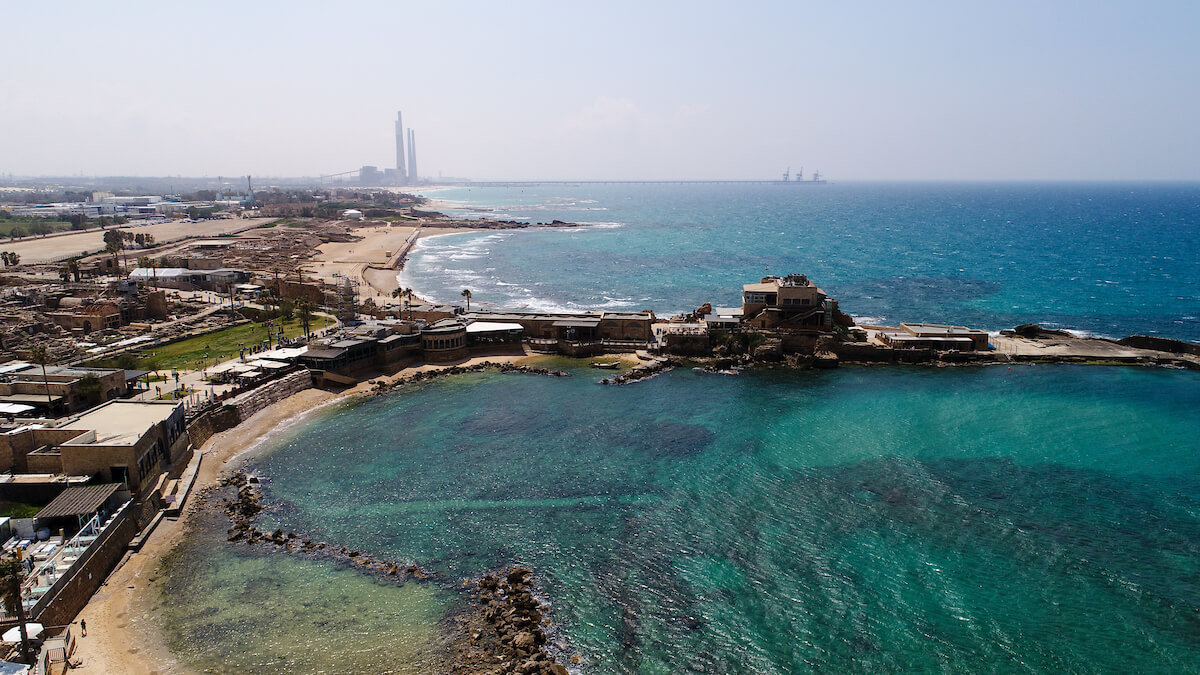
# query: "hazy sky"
[517,90]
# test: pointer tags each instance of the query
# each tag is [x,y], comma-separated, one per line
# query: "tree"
[89,389]
[467,294]
[114,242]
[402,293]
[64,273]
[16,233]
[287,309]
[368,306]
[304,307]
[12,576]
[41,356]
[408,296]
[73,268]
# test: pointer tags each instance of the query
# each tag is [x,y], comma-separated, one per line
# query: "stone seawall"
[71,592]
[273,392]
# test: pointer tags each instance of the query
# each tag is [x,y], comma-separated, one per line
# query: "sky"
[953,90]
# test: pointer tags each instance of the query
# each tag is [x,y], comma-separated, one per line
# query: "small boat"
[612,365]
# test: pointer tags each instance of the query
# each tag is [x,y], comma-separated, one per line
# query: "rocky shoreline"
[503,632]
[643,371]
[379,387]
[442,221]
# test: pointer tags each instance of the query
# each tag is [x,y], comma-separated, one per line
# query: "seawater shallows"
[1112,259]
[1032,518]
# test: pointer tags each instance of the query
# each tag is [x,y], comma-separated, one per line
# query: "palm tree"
[41,356]
[405,295]
[467,294]
[12,576]
[304,309]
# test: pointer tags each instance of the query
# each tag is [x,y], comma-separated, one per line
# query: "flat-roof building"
[792,302]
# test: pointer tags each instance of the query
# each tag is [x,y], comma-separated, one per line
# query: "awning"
[14,408]
[577,323]
[78,501]
[324,353]
[282,353]
[269,365]
[36,399]
[33,630]
[492,327]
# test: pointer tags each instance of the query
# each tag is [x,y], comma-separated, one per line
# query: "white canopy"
[14,408]
[491,326]
[269,365]
[282,353]
[14,634]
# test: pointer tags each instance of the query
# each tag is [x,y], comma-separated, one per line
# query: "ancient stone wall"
[69,595]
[256,399]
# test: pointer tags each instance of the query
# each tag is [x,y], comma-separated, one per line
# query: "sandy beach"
[123,632]
[365,260]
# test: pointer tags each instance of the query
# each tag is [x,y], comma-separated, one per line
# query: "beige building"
[934,336]
[790,302]
[97,316]
[126,442]
[65,389]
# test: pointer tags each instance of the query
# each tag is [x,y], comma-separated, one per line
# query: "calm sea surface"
[1028,519]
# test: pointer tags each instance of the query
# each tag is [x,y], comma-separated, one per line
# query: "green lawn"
[221,345]
[6,226]
[18,510]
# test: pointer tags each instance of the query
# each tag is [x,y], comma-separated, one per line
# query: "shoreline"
[123,635]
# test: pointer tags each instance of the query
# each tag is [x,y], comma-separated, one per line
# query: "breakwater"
[379,387]
[503,631]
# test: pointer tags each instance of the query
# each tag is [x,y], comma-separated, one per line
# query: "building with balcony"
[792,302]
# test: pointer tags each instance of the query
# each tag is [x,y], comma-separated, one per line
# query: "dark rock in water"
[518,575]
[676,439]
[1032,330]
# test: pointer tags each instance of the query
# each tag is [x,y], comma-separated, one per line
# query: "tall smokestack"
[400,172]
[412,157]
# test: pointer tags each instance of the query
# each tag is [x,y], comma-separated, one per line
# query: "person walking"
[82,628]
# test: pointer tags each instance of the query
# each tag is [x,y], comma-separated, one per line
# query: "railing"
[192,411]
[82,545]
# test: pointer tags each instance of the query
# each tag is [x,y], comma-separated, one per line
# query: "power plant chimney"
[412,158]
[401,174]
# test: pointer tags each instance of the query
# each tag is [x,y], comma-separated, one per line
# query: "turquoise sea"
[1038,519]
[1110,259]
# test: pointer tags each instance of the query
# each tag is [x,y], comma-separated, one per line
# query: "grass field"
[221,345]
[6,226]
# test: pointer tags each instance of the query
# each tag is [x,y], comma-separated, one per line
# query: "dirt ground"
[60,247]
